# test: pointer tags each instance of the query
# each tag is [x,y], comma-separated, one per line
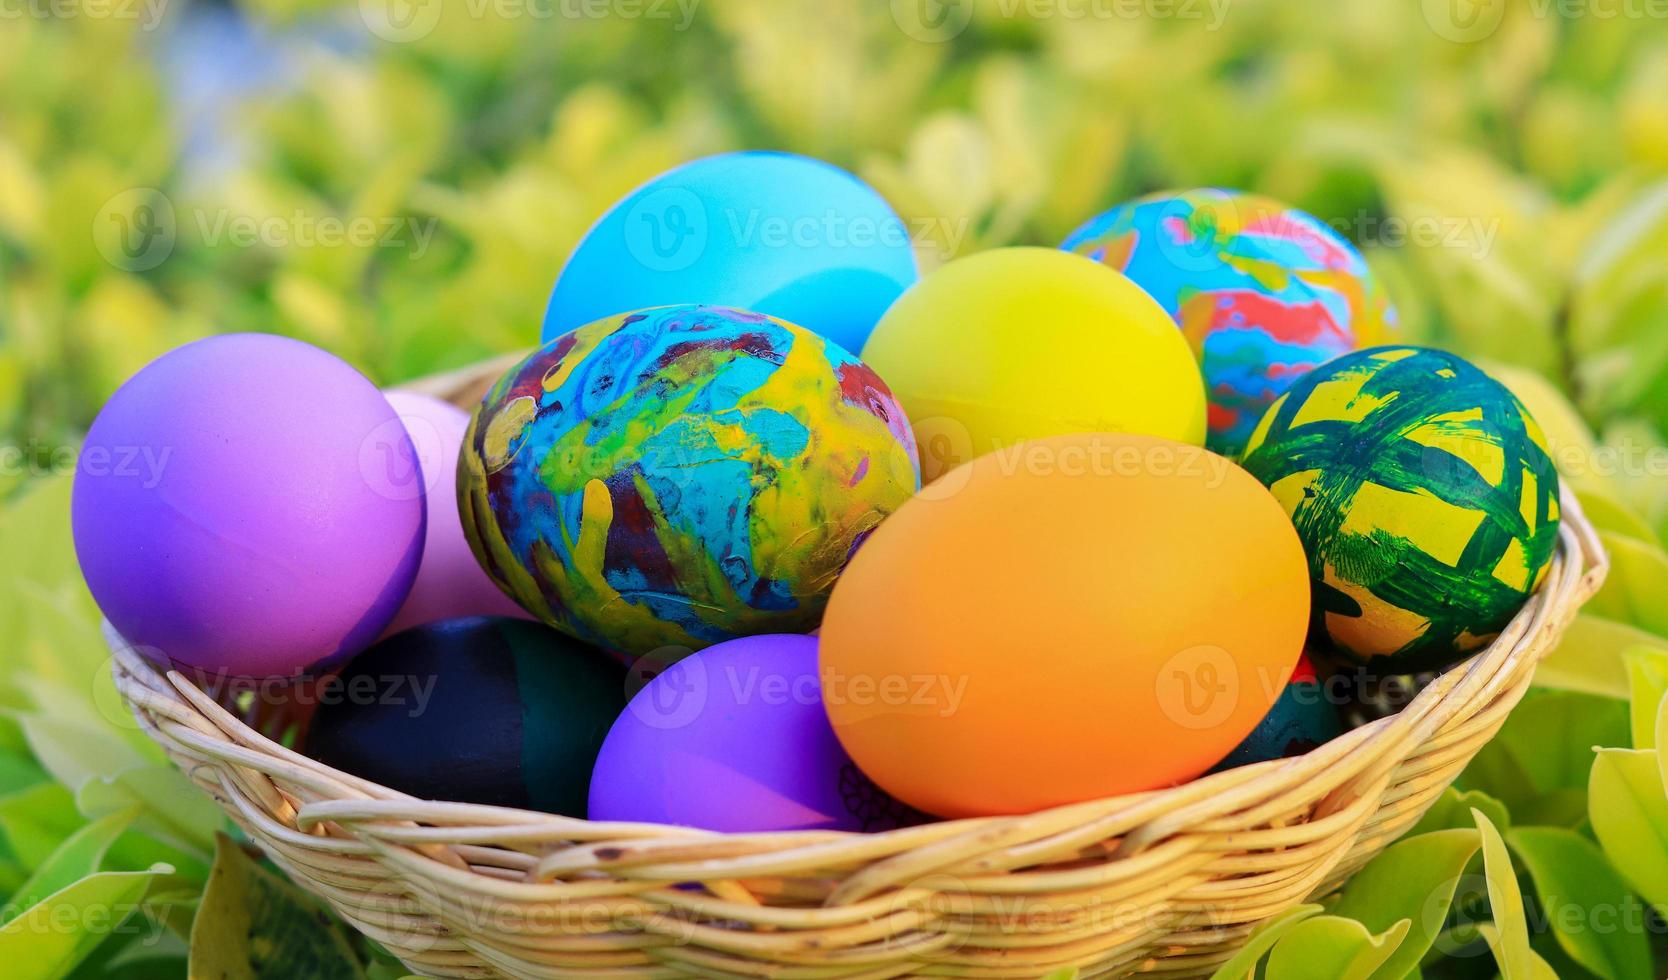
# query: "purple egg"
[235,509]
[735,739]
[450,583]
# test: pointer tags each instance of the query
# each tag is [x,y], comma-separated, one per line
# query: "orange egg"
[1068,619]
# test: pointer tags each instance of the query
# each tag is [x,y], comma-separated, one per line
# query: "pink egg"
[450,584]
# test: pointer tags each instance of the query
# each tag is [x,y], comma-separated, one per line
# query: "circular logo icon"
[400,21]
[1454,921]
[680,693]
[1198,688]
[943,444]
[392,461]
[414,931]
[932,21]
[1192,232]
[933,901]
[666,229]
[136,229]
[1464,21]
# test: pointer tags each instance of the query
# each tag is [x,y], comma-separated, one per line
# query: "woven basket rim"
[1251,841]
[135,668]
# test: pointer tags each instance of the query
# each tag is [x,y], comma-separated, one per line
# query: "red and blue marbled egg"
[1264,292]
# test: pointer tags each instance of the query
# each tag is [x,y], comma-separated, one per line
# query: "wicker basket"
[1167,882]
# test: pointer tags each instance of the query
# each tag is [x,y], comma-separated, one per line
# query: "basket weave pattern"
[1168,882]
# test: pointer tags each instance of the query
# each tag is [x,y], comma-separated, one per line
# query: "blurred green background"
[173,168]
[400,182]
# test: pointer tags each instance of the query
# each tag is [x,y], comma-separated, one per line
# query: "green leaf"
[1510,936]
[1638,581]
[62,651]
[1452,811]
[19,773]
[1417,876]
[77,753]
[1634,232]
[1589,659]
[1629,812]
[1069,973]
[34,537]
[1551,737]
[1577,887]
[1661,737]
[47,940]
[37,820]
[107,776]
[172,808]
[1330,947]
[1608,513]
[1263,940]
[79,856]
[1647,681]
[253,925]
[1495,772]
[1536,967]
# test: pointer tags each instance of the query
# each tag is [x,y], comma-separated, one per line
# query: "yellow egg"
[1023,343]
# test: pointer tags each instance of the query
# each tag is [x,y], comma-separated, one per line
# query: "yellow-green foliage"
[1507,176]
[1505,186]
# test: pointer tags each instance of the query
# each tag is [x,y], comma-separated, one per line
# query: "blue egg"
[1303,718]
[775,233]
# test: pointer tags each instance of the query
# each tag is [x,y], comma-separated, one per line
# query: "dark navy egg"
[1303,718]
[477,710]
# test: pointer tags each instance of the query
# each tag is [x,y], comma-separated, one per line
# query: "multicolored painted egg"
[1013,344]
[1264,292]
[680,476]
[1303,718]
[1424,496]
[231,512]
[478,710]
[735,739]
[778,233]
[449,582]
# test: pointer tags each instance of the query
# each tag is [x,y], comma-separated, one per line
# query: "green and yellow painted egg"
[1425,498]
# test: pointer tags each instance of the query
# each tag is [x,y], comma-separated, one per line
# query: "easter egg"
[449,583]
[231,511]
[476,710]
[1425,499]
[1089,615]
[735,739]
[1021,343]
[680,476]
[1262,291]
[781,234]
[1303,718]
